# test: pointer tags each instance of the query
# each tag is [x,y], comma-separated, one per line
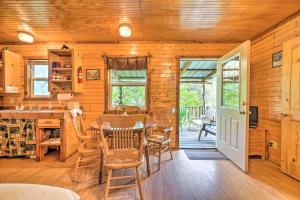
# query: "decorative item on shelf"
[80,74]
[277,59]
[64,46]
[11,89]
[67,65]
[56,64]
[93,74]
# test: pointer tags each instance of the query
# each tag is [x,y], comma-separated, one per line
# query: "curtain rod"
[124,56]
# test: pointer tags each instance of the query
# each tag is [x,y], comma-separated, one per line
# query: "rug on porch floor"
[205,154]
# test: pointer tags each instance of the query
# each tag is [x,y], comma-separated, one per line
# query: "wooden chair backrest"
[90,142]
[165,120]
[210,113]
[121,121]
[122,132]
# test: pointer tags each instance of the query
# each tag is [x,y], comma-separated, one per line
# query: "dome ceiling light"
[25,37]
[125,30]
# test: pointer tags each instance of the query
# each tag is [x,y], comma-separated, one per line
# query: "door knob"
[284,115]
[242,112]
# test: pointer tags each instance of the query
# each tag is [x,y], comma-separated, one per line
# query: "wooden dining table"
[138,128]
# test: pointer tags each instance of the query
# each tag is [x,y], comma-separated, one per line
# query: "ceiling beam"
[201,70]
[209,75]
[193,78]
[186,65]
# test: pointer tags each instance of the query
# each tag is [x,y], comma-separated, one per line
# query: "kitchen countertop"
[34,114]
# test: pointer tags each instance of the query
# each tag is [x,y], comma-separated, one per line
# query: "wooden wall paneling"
[76,63]
[266,81]
[163,74]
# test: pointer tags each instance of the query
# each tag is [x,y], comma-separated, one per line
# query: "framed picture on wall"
[93,74]
[277,59]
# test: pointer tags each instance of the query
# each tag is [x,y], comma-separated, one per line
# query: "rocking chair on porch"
[206,122]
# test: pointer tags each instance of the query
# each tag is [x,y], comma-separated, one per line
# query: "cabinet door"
[12,62]
[290,126]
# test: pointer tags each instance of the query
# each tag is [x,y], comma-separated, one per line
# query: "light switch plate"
[274,144]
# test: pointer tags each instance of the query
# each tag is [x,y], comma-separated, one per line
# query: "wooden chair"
[89,150]
[123,152]
[159,141]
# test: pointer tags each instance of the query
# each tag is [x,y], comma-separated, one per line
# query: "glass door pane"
[231,83]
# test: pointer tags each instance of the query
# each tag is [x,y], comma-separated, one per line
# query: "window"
[231,83]
[128,87]
[37,78]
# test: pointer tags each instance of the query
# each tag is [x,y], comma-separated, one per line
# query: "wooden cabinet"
[64,64]
[23,132]
[17,138]
[48,123]
[257,144]
[9,72]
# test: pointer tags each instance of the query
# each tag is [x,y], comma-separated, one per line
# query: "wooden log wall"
[163,66]
[266,81]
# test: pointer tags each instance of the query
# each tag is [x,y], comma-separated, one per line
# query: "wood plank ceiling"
[151,20]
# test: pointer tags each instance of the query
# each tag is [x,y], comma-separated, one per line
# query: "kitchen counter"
[46,118]
[34,114]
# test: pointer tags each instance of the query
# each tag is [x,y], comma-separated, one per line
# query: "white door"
[233,105]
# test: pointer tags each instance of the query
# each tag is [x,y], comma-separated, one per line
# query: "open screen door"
[233,105]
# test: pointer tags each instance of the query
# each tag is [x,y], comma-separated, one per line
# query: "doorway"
[197,103]
[231,114]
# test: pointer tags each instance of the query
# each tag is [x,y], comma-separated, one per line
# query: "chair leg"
[101,168]
[200,134]
[76,168]
[170,151]
[139,183]
[109,175]
[159,156]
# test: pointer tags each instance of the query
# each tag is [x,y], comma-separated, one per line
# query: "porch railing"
[187,113]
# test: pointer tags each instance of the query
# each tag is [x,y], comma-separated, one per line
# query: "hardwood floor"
[178,179]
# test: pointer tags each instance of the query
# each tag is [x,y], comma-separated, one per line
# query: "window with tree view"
[128,87]
[231,83]
[38,72]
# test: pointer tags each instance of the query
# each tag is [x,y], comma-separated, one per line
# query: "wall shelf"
[63,70]
[61,81]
